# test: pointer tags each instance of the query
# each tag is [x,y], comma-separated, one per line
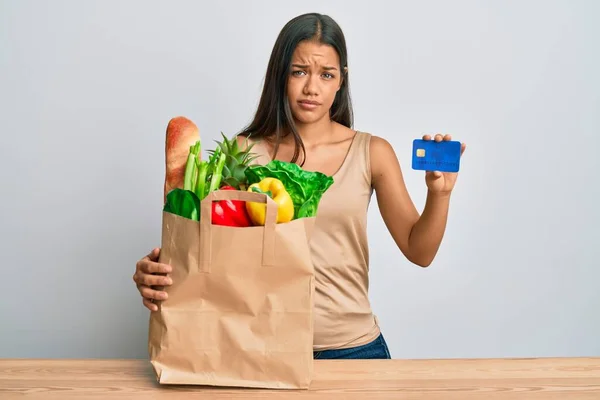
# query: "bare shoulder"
[381,147]
[384,161]
[343,133]
[257,148]
[243,142]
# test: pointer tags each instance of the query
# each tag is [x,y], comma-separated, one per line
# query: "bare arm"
[417,236]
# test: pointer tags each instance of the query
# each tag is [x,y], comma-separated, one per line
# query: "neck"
[315,132]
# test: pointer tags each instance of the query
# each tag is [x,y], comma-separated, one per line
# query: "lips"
[308,104]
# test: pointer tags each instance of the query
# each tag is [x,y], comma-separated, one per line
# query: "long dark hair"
[273,116]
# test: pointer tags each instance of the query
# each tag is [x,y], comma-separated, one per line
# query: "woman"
[305,116]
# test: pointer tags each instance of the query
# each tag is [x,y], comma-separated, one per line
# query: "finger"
[435,174]
[152,294]
[426,137]
[463,146]
[150,305]
[447,137]
[150,267]
[438,137]
[154,280]
[153,255]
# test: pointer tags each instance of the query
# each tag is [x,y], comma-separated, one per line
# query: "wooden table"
[464,379]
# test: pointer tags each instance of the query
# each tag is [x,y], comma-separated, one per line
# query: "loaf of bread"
[181,134]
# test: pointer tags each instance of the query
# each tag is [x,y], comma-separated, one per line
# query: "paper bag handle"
[206,225]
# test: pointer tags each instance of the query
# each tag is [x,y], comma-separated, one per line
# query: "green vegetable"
[190,168]
[184,203]
[200,178]
[305,187]
[215,180]
[203,177]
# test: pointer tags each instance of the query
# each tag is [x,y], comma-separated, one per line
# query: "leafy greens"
[306,188]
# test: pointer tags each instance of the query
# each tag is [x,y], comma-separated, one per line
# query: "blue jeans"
[376,349]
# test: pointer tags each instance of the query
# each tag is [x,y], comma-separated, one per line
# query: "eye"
[297,72]
[327,75]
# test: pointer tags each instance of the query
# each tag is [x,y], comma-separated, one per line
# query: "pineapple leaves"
[236,160]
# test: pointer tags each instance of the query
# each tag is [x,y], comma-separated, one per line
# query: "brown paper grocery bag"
[239,311]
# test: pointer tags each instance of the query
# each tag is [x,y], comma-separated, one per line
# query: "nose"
[311,85]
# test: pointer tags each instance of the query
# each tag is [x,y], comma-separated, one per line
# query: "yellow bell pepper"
[258,211]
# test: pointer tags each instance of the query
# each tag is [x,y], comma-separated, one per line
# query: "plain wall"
[87,89]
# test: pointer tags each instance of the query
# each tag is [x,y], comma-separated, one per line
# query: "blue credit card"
[429,155]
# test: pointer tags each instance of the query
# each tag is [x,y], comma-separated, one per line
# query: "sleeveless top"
[342,311]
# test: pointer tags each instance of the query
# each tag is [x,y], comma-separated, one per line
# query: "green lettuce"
[305,187]
[184,203]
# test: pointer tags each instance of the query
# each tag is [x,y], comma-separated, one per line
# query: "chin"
[307,117]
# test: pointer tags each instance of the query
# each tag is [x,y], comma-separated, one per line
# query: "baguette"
[181,134]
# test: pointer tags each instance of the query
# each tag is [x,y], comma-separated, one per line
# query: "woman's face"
[313,82]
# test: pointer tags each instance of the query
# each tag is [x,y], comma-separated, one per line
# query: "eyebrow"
[306,66]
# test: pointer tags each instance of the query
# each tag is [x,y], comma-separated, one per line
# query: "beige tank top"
[343,315]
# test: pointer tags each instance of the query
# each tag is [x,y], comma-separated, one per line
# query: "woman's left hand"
[441,182]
